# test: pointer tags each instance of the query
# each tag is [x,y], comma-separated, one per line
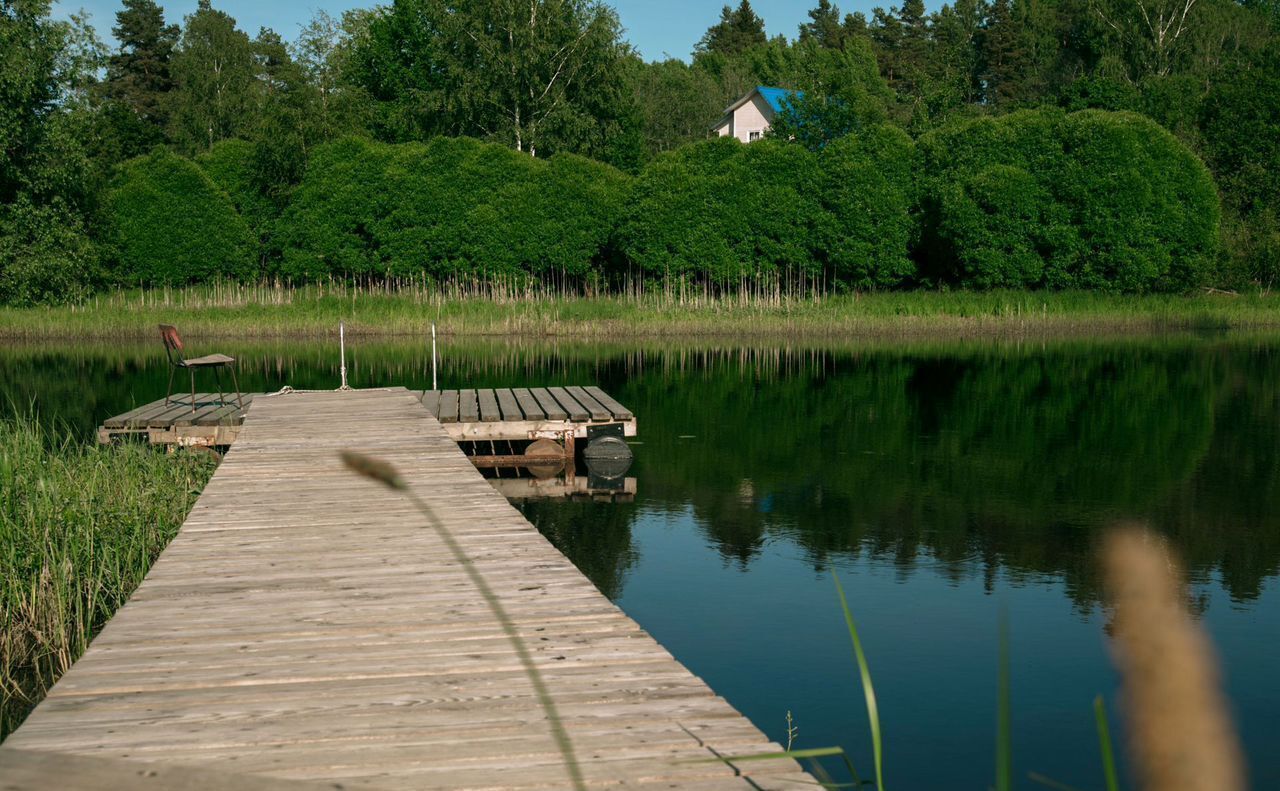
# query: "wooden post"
[342,354]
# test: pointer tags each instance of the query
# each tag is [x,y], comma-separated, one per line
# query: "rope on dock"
[290,390]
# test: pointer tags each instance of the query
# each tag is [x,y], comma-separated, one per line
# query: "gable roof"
[775,97]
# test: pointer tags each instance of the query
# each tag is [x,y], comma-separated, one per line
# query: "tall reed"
[514,306]
[1180,733]
[79,528]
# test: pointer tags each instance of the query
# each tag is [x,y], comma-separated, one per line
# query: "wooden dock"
[502,414]
[306,625]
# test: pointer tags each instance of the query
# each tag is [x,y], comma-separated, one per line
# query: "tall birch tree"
[538,75]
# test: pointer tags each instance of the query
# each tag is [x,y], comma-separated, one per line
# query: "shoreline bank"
[305,312]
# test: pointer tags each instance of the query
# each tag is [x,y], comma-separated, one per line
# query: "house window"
[753,137]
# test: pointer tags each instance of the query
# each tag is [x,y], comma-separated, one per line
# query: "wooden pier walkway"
[520,413]
[306,625]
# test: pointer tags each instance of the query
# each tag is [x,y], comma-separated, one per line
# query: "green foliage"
[450,207]
[542,76]
[842,92]
[721,210]
[678,103]
[45,174]
[214,71]
[30,44]
[233,166]
[1241,144]
[45,255]
[1087,200]
[738,30]
[80,526]
[139,81]
[169,223]
[868,189]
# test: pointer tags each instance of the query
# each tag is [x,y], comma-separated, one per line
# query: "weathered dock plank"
[307,625]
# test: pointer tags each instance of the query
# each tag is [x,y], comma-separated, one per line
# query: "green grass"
[79,528]
[231,310]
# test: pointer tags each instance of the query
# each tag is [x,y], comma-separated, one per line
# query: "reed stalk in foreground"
[1180,733]
[386,474]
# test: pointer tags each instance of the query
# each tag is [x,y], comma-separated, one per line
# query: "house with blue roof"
[751,116]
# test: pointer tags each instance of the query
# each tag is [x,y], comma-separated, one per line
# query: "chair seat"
[208,360]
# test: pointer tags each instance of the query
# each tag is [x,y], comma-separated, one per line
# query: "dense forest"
[1128,145]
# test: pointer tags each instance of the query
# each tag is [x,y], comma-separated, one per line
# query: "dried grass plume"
[377,469]
[1180,733]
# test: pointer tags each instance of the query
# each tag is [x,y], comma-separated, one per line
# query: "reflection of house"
[751,116]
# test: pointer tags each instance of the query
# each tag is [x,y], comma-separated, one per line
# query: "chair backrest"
[172,341]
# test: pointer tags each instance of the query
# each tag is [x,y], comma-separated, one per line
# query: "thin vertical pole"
[342,352]
[434,384]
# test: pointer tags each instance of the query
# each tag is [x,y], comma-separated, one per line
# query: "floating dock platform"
[466,415]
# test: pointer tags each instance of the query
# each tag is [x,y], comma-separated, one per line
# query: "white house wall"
[754,115]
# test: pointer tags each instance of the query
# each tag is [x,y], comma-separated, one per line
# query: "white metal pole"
[342,351]
[434,384]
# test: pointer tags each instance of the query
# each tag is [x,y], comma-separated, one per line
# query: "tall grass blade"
[1004,726]
[868,690]
[1104,743]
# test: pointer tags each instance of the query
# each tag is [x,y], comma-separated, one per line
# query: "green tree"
[827,28]
[540,76]
[234,165]
[1242,147]
[842,92]
[738,30]
[1153,36]
[322,51]
[167,222]
[285,124]
[451,207]
[955,82]
[214,70]
[1039,198]
[720,210]
[868,191]
[678,103]
[1005,57]
[139,78]
[45,173]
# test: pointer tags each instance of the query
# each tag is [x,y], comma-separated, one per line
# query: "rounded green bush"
[868,188]
[448,207]
[720,210]
[232,165]
[1041,198]
[169,223]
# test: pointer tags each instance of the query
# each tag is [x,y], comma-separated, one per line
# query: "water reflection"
[970,458]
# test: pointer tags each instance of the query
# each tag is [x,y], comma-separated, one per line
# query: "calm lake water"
[944,484]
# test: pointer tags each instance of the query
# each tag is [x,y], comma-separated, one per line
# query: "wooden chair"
[173,351]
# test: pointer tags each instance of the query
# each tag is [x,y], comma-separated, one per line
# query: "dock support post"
[434,384]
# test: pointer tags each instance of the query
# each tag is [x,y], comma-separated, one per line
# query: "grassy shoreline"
[266,311]
[80,526]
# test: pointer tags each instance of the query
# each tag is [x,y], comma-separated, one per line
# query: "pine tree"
[824,26]
[738,30]
[139,79]
[1003,56]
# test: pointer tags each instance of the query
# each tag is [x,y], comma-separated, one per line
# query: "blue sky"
[656,27]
